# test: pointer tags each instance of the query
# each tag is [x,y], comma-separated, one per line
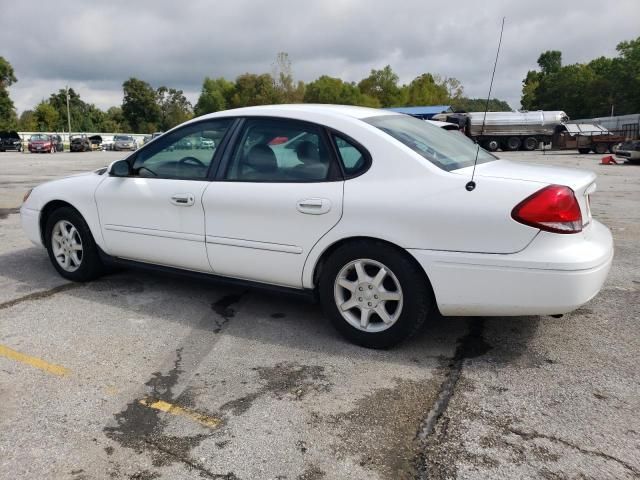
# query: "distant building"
[425,113]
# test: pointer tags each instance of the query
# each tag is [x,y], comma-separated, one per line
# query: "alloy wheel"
[66,245]
[368,295]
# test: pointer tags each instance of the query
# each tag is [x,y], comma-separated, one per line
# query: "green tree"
[530,85]
[626,71]
[174,107]
[289,91]
[139,106]
[28,121]
[85,117]
[252,89]
[424,90]
[8,117]
[383,86]
[333,90]
[215,96]
[46,117]
[479,104]
[454,88]
[114,121]
[586,90]
[550,62]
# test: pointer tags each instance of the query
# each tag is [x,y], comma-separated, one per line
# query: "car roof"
[293,109]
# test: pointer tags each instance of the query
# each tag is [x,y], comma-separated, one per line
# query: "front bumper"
[30,220]
[555,274]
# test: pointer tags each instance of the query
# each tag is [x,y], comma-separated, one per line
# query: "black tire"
[584,151]
[513,143]
[91,266]
[492,144]
[417,297]
[600,148]
[530,144]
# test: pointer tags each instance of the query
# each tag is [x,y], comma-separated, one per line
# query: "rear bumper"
[555,274]
[30,220]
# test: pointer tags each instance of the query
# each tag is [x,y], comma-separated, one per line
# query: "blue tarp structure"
[422,112]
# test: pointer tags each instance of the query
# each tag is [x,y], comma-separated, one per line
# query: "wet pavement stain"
[141,428]
[286,379]
[5,212]
[311,473]
[381,431]
[278,315]
[223,308]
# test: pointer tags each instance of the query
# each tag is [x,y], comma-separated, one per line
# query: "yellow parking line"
[206,420]
[33,361]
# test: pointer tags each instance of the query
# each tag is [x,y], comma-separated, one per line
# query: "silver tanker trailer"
[508,130]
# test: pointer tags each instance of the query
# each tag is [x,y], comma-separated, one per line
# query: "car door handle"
[183,199]
[314,206]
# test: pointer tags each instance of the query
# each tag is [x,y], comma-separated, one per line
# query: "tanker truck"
[507,130]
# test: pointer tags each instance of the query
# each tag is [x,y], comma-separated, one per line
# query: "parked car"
[107,145]
[629,151]
[10,141]
[373,214]
[79,143]
[96,142]
[57,142]
[124,142]
[41,143]
[205,143]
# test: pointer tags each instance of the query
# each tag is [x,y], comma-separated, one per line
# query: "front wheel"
[375,295]
[492,144]
[71,247]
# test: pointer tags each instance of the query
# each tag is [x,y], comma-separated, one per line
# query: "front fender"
[78,191]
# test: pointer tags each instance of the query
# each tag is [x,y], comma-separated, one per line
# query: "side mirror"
[120,168]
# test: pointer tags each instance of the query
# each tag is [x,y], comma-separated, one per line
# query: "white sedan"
[370,210]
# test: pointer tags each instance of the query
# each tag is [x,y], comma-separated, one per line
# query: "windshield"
[447,150]
[39,137]
[122,138]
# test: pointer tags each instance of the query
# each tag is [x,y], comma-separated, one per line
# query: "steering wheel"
[192,160]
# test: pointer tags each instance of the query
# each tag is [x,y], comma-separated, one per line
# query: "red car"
[41,143]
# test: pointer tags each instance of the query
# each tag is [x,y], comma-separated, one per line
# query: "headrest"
[262,159]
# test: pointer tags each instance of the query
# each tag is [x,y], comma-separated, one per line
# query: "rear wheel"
[601,148]
[513,143]
[71,247]
[374,294]
[530,143]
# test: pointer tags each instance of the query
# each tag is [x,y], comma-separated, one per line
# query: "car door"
[155,215]
[278,191]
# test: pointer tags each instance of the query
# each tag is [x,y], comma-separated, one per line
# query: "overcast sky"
[95,46]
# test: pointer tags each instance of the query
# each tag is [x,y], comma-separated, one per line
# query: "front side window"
[183,154]
[272,150]
[447,150]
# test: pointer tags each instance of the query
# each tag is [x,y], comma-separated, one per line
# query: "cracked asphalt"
[171,378]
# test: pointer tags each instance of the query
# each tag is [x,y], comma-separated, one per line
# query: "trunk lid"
[582,182]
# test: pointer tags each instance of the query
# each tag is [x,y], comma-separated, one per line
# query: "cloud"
[94,47]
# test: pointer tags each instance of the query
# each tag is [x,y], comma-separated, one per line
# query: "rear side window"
[354,160]
[278,150]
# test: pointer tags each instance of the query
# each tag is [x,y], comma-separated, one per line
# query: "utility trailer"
[585,137]
[508,130]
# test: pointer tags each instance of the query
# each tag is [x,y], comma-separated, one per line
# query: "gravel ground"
[259,386]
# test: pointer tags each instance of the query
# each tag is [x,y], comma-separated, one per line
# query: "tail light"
[554,209]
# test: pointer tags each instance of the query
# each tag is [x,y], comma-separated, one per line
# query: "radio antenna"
[471,185]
